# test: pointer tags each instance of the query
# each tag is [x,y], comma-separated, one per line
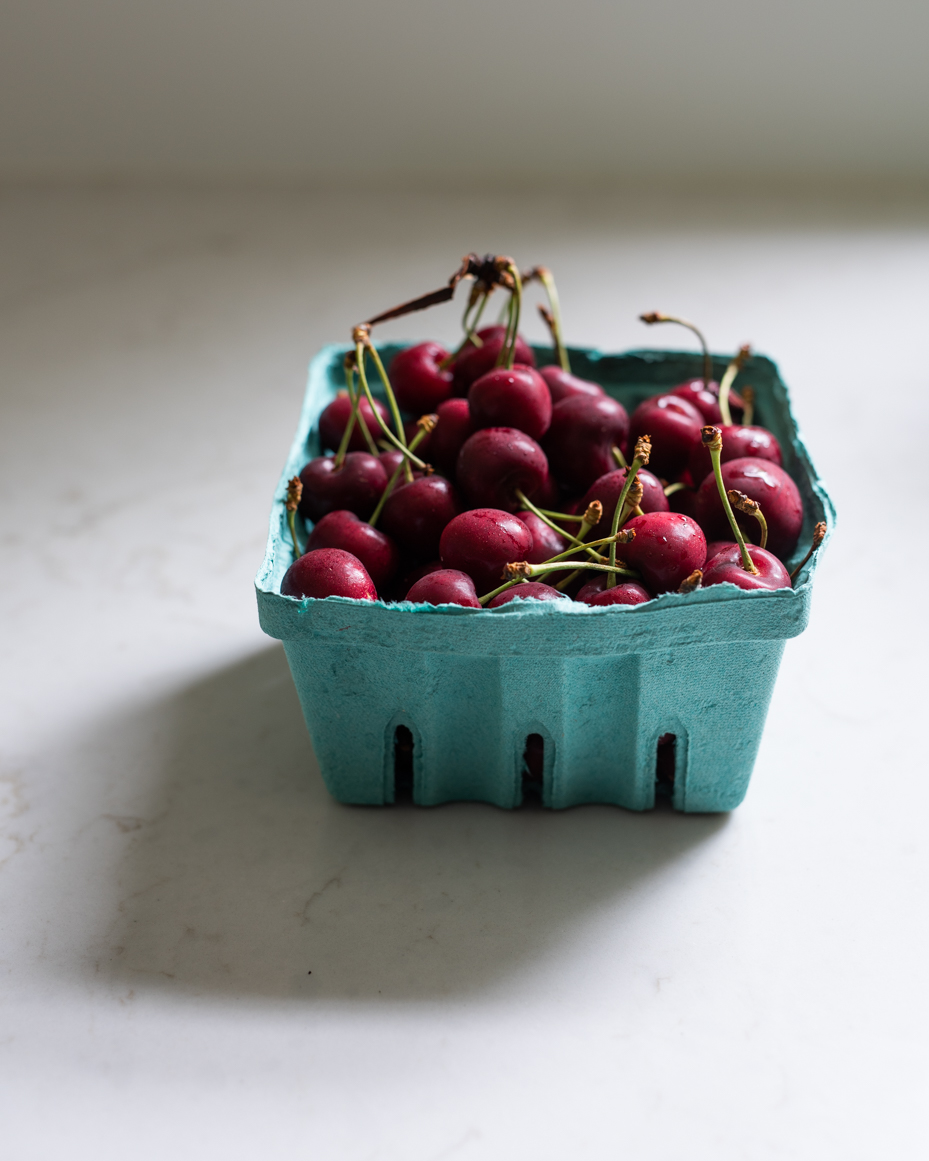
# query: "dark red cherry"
[516,398]
[707,401]
[445,586]
[356,486]
[496,462]
[562,383]
[584,430]
[481,542]
[674,426]
[667,548]
[714,546]
[530,591]
[473,362]
[328,572]
[607,490]
[548,494]
[415,514]
[334,418]
[726,565]
[738,443]
[420,384]
[766,484]
[442,446]
[343,529]
[595,592]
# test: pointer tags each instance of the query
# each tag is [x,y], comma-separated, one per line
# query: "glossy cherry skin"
[667,548]
[726,565]
[415,514]
[714,546]
[481,542]
[607,490]
[343,529]
[738,443]
[674,426]
[328,572]
[706,400]
[516,398]
[530,591]
[356,486]
[595,592]
[473,362]
[419,383]
[441,447]
[445,586]
[334,418]
[578,444]
[562,383]
[766,484]
[497,461]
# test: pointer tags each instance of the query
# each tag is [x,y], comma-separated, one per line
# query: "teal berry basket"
[559,700]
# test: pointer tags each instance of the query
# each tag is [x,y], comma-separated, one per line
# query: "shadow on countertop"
[247,879]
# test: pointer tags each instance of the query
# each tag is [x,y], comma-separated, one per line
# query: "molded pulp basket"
[600,686]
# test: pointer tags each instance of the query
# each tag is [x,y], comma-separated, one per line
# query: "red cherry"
[607,490]
[515,398]
[584,430]
[595,592]
[562,383]
[442,446]
[415,514]
[334,418]
[481,542]
[419,383]
[393,459]
[674,426]
[667,548]
[445,586]
[726,565]
[530,591]
[766,484]
[496,462]
[356,486]
[343,529]
[328,572]
[706,400]
[473,362]
[714,546]
[738,443]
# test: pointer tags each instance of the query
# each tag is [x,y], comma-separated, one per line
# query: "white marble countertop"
[484,984]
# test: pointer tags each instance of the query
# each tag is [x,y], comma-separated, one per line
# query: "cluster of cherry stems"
[529,483]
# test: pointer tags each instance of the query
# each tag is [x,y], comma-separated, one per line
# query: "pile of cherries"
[518,482]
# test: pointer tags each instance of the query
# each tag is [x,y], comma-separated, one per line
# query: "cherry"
[517,397]
[706,399]
[607,490]
[584,430]
[356,486]
[328,572]
[714,546]
[481,542]
[419,381]
[445,586]
[674,425]
[473,362]
[333,421]
[343,529]
[546,542]
[415,514]
[739,442]
[442,446]
[726,566]
[595,592]
[497,462]
[766,484]
[666,549]
[393,459]
[530,591]
[562,383]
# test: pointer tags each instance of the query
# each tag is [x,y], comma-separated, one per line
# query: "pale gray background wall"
[488,91]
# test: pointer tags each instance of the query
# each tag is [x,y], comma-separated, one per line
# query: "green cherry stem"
[426,424]
[643,448]
[552,316]
[819,535]
[656,316]
[294,496]
[748,398]
[751,508]
[728,379]
[713,441]
[389,435]
[672,488]
[543,516]
[619,457]
[516,305]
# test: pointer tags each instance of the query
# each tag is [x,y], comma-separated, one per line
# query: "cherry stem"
[544,569]
[425,428]
[728,379]
[819,534]
[516,304]
[748,399]
[355,416]
[470,337]
[751,508]
[562,516]
[713,441]
[691,583]
[553,315]
[657,317]
[398,444]
[294,496]
[643,447]
[365,335]
[528,504]
[672,488]
[619,457]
